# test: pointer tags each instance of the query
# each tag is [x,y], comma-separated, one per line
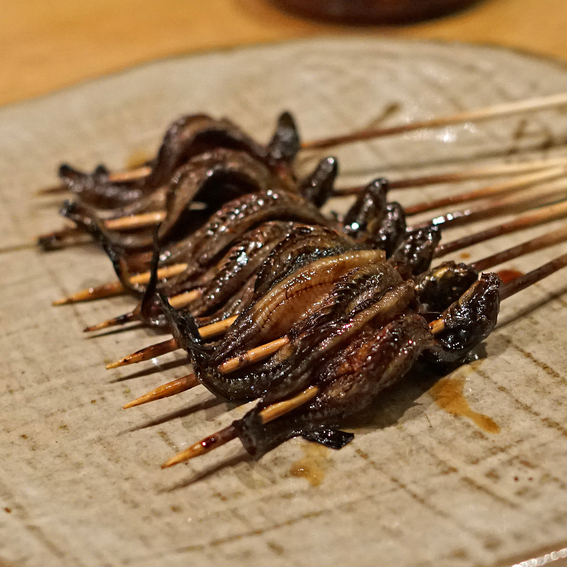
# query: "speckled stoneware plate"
[423,483]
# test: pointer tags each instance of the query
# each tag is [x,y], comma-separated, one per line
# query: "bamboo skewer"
[253,355]
[147,353]
[144,220]
[130,174]
[540,216]
[118,177]
[109,289]
[477,115]
[116,288]
[496,208]
[499,170]
[165,390]
[522,282]
[186,382]
[136,221]
[154,218]
[177,302]
[129,222]
[225,435]
[544,214]
[114,322]
[521,182]
[549,239]
[170,345]
[545,241]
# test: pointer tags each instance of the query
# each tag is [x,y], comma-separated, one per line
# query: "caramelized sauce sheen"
[448,395]
[509,275]
[313,464]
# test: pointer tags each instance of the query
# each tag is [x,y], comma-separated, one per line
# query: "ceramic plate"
[424,482]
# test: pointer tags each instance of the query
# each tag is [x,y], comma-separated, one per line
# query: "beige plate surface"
[80,482]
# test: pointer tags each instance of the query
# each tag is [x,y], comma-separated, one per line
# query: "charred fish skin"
[319,185]
[349,383]
[239,264]
[222,284]
[330,335]
[301,297]
[269,193]
[291,300]
[96,190]
[324,331]
[240,215]
[195,134]
[286,142]
[366,214]
[444,284]
[263,272]
[467,322]
[209,177]
[212,177]
[233,306]
[374,291]
[304,244]
[392,231]
[415,254]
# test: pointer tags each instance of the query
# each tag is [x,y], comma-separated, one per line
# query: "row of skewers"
[224,247]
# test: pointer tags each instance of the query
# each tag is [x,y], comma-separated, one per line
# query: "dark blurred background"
[49,45]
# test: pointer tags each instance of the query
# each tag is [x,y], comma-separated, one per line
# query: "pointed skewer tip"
[225,435]
[114,322]
[165,390]
[204,446]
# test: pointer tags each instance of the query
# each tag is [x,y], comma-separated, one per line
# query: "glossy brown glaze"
[509,274]
[448,394]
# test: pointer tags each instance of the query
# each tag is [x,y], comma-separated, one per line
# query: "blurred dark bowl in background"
[369,12]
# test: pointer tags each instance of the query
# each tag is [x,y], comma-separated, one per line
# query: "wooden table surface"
[46,46]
